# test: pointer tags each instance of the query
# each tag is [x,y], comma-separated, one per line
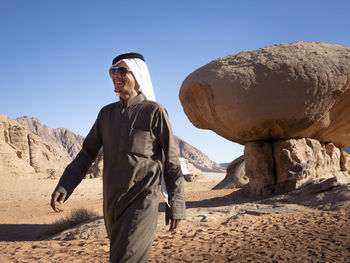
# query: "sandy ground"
[215,231]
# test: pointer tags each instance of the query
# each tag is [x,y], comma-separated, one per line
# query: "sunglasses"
[121,71]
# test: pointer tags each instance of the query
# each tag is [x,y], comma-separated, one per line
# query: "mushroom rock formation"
[289,104]
[281,91]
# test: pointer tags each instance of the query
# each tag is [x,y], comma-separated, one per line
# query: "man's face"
[127,85]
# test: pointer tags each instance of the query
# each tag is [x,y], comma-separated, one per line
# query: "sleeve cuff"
[175,212]
[61,189]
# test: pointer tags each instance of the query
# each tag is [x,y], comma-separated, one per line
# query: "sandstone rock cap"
[300,89]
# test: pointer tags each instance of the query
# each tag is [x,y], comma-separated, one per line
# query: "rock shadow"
[236,197]
[321,197]
[22,232]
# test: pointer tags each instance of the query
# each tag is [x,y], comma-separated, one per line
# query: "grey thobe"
[138,146]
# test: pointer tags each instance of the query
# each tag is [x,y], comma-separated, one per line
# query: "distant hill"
[224,164]
[197,158]
[69,141]
[24,153]
[347,149]
[33,147]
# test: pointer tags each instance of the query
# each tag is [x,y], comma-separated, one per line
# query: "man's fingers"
[57,197]
[54,198]
[174,224]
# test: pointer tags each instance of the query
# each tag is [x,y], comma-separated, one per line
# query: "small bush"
[76,217]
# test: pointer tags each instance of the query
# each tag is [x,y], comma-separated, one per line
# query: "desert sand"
[218,228]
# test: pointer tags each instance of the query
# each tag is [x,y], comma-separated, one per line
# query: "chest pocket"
[140,142]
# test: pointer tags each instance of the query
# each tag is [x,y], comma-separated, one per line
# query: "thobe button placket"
[124,131]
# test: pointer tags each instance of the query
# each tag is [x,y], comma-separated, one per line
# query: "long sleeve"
[77,169]
[172,171]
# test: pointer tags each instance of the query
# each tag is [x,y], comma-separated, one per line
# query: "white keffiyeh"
[141,73]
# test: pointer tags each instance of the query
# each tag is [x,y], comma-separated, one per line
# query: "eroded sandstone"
[24,154]
[281,91]
[286,165]
[288,104]
[235,175]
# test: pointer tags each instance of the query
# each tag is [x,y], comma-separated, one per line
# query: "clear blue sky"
[55,55]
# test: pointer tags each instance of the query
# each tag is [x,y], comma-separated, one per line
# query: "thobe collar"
[134,100]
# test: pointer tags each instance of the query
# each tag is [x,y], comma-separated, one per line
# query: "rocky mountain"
[28,147]
[23,153]
[60,137]
[224,164]
[197,158]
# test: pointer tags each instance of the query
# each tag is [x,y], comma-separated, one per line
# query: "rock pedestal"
[288,164]
[259,167]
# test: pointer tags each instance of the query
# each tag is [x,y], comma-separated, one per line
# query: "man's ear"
[137,87]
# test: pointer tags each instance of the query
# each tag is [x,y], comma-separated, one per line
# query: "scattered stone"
[91,229]
[193,174]
[272,210]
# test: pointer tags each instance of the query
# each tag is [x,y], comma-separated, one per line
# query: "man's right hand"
[57,197]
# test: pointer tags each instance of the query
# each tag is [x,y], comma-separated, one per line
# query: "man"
[139,153]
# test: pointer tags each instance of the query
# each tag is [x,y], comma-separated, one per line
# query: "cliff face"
[27,147]
[62,138]
[24,153]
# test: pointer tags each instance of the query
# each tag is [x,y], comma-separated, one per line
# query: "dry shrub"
[76,217]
